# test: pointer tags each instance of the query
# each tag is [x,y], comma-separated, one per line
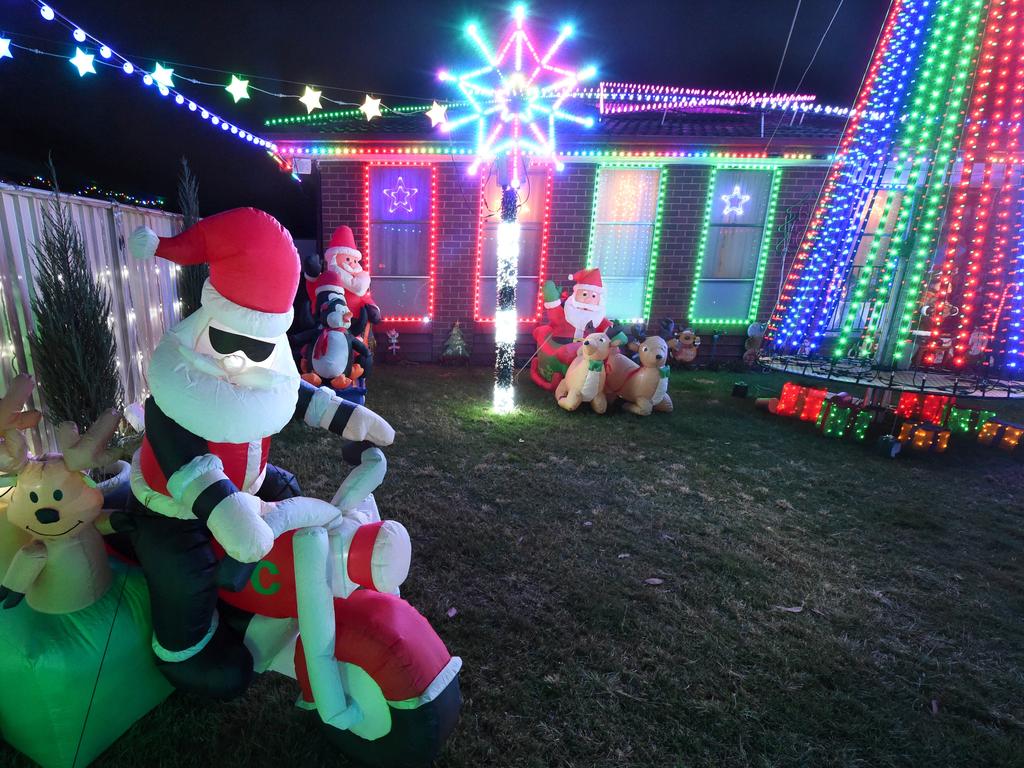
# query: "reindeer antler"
[13,448]
[90,450]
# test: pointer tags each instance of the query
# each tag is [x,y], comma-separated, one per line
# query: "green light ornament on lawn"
[455,352]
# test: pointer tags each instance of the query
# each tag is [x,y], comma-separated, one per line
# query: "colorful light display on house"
[914,253]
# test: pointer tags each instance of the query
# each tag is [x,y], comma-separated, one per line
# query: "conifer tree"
[73,349]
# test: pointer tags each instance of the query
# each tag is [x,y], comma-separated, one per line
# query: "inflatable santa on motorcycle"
[223,382]
[560,336]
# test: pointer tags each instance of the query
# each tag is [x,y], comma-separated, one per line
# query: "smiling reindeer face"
[51,501]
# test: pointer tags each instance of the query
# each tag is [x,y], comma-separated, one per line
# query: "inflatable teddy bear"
[684,346]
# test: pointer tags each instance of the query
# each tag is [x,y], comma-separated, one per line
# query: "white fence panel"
[143,295]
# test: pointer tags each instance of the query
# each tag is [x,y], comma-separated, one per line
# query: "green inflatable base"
[49,666]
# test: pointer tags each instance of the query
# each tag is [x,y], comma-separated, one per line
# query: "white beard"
[579,315]
[194,391]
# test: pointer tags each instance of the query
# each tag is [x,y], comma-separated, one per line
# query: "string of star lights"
[516,99]
[90,51]
[239,86]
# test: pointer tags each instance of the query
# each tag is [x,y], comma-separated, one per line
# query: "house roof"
[733,127]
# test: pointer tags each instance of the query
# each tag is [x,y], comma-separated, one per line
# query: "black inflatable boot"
[221,670]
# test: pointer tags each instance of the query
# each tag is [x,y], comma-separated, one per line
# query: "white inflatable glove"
[364,424]
[142,243]
[237,525]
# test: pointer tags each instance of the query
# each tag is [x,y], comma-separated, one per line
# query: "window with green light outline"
[735,242]
[625,236]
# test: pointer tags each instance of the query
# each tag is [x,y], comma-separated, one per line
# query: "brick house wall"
[342,202]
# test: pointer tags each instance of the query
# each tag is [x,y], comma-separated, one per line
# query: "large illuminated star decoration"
[399,196]
[517,97]
[735,201]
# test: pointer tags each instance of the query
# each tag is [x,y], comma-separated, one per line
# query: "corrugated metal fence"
[144,299]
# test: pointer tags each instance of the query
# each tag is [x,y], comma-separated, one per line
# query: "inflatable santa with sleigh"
[223,382]
[567,323]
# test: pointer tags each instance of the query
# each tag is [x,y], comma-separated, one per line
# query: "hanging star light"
[5,48]
[370,108]
[311,98]
[438,114]
[518,96]
[238,88]
[734,202]
[83,62]
[399,196]
[162,76]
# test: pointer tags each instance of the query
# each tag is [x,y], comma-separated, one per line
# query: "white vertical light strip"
[506,318]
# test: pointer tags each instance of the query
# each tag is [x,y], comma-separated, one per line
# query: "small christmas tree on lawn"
[73,349]
[192,277]
[455,350]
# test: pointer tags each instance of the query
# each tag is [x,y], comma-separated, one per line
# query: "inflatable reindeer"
[63,567]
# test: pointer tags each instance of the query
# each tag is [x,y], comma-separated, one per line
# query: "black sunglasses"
[226,342]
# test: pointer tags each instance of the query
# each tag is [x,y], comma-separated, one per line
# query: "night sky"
[109,130]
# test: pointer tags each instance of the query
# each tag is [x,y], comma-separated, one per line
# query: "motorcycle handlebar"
[305,512]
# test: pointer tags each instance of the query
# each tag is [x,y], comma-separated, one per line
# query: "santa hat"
[254,267]
[588,278]
[330,279]
[342,242]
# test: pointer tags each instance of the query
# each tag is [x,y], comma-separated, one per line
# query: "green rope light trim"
[652,261]
[763,252]
[347,114]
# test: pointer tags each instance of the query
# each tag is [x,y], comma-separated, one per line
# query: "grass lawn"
[816,605]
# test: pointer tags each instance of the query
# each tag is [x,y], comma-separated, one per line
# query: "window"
[738,222]
[624,238]
[534,198]
[401,244]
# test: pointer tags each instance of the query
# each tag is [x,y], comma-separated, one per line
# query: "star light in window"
[400,197]
[734,202]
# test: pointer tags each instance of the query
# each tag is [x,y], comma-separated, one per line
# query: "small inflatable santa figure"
[584,306]
[223,382]
[567,324]
[343,272]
